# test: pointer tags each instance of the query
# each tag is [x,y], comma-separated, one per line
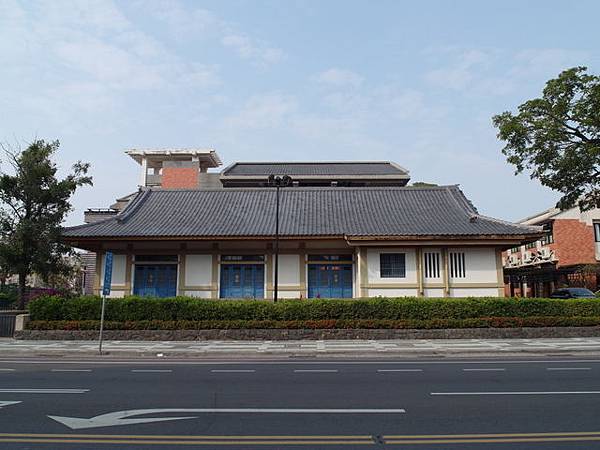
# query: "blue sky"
[413,82]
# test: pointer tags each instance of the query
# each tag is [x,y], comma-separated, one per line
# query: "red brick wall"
[573,242]
[179,177]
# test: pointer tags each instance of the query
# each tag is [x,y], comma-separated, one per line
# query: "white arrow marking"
[121,417]
[8,403]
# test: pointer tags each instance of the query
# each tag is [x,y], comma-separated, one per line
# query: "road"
[409,404]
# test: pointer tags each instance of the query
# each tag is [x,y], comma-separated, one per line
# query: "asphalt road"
[421,404]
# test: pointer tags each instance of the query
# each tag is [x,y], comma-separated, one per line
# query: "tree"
[557,137]
[33,205]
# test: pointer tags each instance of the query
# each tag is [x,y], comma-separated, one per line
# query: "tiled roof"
[315,169]
[339,212]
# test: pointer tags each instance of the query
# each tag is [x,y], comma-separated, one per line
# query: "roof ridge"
[133,206]
[311,188]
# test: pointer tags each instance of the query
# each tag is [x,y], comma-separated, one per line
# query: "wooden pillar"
[446,271]
[419,258]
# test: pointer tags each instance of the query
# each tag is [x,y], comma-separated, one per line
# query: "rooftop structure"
[320,173]
[173,168]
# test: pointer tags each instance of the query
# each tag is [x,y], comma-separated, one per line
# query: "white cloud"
[184,22]
[268,110]
[251,49]
[460,74]
[339,77]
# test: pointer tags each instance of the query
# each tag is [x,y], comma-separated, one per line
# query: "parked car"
[573,293]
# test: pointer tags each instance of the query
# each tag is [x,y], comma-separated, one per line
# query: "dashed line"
[494,369]
[399,370]
[233,371]
[7,370]
[44,391]
[71,370]
[315,371]
[568,368]
[151,370]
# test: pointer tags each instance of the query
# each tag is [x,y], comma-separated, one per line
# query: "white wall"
[480,265]
[474,292]
[289,270]
[198,270]
[118,271]
[199,294]
[393,292]
[433,292]
[374,276]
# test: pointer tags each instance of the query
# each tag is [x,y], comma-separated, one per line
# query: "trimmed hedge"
[484,322]
[133,309]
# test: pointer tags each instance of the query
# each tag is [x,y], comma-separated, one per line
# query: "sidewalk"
[307,348]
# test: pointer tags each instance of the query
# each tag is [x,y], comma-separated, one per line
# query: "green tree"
[33,205]
[557,137]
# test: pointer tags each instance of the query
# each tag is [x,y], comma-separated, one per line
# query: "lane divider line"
[399,370]
[520,393]
[491,369]
[233,371]
[568,368]
[316,371]
[151,370]
[44,391]
[70,370]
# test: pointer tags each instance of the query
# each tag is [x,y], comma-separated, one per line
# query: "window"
[548,239]
[515,249]
[597,231]
[457,265]
[431,261]
[530,245]
[392,265]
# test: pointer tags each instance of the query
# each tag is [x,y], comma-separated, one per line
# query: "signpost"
[108,263]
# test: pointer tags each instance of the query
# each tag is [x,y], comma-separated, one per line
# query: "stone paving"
[416,347]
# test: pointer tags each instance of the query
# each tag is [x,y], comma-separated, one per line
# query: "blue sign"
[108,263]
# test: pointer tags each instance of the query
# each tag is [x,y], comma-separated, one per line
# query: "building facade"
[567,255]
[347,229]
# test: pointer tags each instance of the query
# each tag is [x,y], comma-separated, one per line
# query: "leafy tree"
[33,205]
[557,137]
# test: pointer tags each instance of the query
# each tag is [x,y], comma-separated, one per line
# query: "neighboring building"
[567,255]
[347,229]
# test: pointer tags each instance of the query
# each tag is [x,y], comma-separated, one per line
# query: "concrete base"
[335,334]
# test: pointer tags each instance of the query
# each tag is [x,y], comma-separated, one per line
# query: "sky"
[414,82]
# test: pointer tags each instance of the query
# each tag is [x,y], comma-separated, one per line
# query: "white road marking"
[7,370]
[399,370]
[315,370]
[71,370]
[122,417]
[151,370]
[568,368]
[283,363]
[518,393]
[494,369]
[44,391]
[8,403]
[233,370]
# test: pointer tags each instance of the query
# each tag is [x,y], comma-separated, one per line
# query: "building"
[347,229]
[567,255]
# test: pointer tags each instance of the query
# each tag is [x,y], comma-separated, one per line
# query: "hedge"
[396,309]
[484,322]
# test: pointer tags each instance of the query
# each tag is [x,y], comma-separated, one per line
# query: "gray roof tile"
[314,169]
[352,212]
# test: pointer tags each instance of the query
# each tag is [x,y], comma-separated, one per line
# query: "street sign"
[108,263]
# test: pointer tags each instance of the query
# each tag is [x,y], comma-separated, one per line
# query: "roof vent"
[473,218]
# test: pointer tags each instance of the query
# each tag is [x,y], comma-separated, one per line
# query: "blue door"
[330,281]
[155,280]
[242,281]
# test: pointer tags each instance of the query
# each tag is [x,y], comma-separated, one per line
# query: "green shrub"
[395,309]
[484,322]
